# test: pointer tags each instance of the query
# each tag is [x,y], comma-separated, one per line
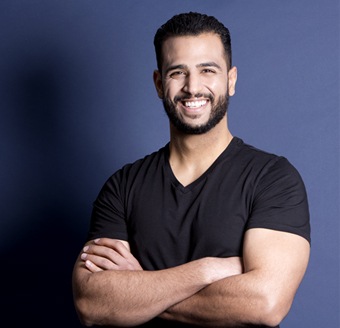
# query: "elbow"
[84,314]
[82,305]
[274,310]
[90,313]
[87,307]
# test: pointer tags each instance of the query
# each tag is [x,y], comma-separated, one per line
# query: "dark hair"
[191,24]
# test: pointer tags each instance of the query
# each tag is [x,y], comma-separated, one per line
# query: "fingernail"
[88,263]
[83,256]
[85,248]
[97,240]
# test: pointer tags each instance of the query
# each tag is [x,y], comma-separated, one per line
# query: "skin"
[111,288]
[186,73]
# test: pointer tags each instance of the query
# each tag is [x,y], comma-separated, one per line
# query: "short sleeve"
[280,201]
[108,214]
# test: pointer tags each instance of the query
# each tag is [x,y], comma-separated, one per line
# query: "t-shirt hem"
[294,231]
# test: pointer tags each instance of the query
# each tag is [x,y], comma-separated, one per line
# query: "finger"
[100,256]
[92,267]
[113,250]
[121,249]
[105,254]
[117,245]
[99,261]
[126,259]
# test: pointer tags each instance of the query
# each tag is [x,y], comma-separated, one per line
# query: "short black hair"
[190,24]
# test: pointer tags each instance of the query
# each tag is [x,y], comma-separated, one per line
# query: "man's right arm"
[127,295]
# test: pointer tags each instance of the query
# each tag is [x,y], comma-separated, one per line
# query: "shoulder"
[261,162]
[279,195]
[138,168]
[118,185]
[251,153]
[272,169]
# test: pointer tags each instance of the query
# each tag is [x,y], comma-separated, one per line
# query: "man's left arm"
[274,265]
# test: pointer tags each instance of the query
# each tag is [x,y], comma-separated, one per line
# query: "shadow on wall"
[37,276]
[38,203]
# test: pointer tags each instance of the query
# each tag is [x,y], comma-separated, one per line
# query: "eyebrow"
[208,64]
[174,67]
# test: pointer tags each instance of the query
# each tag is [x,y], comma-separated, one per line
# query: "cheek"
[216,86]
[221,86]
[172,88]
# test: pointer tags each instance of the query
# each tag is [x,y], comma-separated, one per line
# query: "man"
[207,231]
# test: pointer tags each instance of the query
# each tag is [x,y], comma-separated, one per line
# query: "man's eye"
[177,74]
[207,70]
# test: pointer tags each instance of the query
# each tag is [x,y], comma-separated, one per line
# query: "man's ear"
[157,80]
[232,78]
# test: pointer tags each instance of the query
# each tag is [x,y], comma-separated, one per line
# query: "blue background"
[77,102]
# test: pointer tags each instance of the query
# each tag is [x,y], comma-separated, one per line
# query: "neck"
[191,155]
[198,146]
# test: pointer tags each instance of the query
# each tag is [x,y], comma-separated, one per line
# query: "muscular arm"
[275,263]
[110,288]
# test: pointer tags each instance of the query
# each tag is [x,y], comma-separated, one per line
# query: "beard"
[218,111]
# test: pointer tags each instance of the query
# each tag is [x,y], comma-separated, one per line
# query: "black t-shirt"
[168,224]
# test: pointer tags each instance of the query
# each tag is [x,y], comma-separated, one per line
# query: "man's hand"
[111,288]
[109,254]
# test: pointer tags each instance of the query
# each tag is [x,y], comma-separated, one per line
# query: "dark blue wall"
[77,101]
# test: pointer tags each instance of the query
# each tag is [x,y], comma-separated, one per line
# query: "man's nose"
[192,84]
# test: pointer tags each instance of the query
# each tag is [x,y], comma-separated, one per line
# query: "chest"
[170,225]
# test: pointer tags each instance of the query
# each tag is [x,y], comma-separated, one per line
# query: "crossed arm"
[111,288]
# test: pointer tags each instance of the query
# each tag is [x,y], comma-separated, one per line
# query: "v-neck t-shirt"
[168,224]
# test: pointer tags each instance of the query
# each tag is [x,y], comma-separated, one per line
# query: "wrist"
[214,269]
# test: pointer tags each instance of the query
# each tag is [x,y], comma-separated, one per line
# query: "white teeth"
[195,104]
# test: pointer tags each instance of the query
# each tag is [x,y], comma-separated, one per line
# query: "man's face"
[194,83]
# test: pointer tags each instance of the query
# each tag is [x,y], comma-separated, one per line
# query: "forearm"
[126,298]
[262,295]
[235,301]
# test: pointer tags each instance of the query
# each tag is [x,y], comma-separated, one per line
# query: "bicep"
[280,258]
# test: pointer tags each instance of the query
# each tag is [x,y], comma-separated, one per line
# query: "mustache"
[198,95]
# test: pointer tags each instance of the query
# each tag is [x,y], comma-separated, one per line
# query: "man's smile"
[194,104]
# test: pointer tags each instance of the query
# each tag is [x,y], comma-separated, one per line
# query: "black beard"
[218,111]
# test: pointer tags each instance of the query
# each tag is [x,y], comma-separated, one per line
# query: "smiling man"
[199,85]
[207,231]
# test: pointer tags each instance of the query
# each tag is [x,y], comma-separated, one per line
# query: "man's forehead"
[202,48]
